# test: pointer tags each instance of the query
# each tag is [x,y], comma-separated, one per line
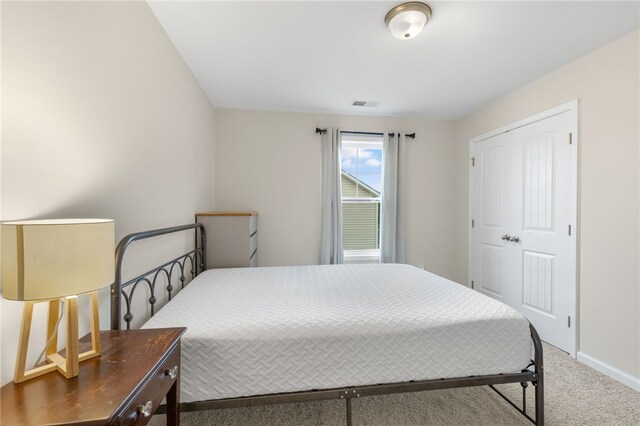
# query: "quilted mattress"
[253,331]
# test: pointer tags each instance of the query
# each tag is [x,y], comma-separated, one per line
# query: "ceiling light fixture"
[407,20]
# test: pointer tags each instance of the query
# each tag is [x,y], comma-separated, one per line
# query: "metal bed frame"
[533,374]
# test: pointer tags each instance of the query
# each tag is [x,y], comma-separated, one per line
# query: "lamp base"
[68,365]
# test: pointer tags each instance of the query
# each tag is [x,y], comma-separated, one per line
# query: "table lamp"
[54,261]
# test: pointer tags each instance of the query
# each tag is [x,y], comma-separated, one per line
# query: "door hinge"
[472,283]
[569,230]
[570,138]
[569,322]
[473,161]
[473,223]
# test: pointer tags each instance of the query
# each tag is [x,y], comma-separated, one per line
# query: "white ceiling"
[320,56]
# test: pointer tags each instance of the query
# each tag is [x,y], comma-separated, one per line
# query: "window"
[361,174]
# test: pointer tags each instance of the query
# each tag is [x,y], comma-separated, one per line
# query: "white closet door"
[523,208]
[493,185]
[543,215]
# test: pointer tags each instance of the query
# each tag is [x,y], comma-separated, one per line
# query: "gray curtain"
[331,250]
[392,240]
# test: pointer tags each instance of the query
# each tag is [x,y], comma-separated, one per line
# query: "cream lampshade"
[54,261]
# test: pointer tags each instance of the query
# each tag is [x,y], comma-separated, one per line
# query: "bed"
[283,334]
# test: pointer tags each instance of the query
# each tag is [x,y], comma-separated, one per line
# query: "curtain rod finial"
[321,131]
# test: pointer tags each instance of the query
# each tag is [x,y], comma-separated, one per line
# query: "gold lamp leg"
[71,360]
[52,321]
[22,373]
[23,344]
[95,324]
[68,365]
[96,346]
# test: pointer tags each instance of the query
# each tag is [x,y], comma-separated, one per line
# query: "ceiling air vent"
[369,104]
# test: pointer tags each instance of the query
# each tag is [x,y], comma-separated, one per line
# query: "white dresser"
[232,238]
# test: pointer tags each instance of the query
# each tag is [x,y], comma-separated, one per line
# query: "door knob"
[514,239]
[506,237]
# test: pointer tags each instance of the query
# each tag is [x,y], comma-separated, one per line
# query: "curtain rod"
[323,131]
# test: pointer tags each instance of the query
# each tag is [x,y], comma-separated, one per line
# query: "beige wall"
[607,84]
[101,118]
[270,162]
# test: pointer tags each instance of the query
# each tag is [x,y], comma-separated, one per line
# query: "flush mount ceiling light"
[407,20]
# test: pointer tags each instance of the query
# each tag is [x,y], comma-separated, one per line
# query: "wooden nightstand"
[125,385]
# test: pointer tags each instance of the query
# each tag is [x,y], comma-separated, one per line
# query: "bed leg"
[348,411]
[539,370]
[524,396]
[539,385]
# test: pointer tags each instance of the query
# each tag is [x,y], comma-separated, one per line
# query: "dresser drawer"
[147,401]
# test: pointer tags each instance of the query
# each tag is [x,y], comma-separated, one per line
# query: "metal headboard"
[197,259]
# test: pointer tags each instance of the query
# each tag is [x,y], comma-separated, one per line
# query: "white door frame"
[571,107]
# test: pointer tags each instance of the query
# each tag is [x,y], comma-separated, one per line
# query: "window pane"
[372,187]
[348,157]
[349,185]
[370,161]
[361,225]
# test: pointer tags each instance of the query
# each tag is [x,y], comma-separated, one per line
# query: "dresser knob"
[172,372]
[146,408]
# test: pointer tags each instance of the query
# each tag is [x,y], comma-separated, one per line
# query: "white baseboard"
[613,372]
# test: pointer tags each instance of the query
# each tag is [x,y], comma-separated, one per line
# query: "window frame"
[363,142]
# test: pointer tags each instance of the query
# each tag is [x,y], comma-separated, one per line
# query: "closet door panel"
[543,218]
[492,184]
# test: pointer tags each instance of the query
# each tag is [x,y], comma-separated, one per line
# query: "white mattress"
[254,331]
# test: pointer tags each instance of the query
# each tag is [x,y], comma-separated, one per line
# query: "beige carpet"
[575,395]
